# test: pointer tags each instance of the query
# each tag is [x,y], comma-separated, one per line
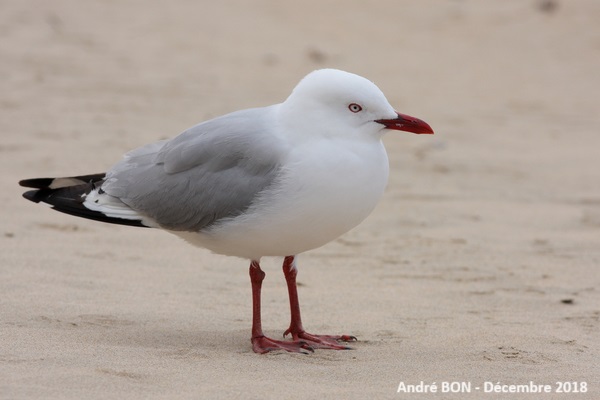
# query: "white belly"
[320,195]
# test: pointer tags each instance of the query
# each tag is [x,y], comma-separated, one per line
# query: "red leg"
[296,329]
[261,343]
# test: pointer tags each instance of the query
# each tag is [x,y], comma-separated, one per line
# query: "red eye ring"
[354,107]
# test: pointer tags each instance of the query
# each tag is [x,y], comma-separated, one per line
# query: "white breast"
[324,191]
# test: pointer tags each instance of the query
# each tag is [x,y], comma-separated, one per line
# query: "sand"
[479,265]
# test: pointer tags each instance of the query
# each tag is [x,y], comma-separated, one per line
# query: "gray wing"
[213,170]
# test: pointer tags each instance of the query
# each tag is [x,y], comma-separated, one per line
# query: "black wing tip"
[36,183]
[83,212]
[34,195]
[66,198]
[45,183]
[68,206]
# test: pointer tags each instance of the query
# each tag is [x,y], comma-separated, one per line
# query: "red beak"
[406,123]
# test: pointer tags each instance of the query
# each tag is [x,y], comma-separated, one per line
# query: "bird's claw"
[322,341]
[263,344]
[347,338]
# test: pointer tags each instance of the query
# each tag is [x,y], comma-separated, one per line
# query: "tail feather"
[68,195]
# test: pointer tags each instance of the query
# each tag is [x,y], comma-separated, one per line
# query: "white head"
[338,103]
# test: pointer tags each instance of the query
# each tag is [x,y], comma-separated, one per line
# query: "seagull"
[271,181]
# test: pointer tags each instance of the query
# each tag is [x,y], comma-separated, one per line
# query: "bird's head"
[334,102]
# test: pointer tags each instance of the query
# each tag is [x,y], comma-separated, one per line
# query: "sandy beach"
[481,263]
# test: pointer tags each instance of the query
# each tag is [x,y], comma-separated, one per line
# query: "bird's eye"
[354,107]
